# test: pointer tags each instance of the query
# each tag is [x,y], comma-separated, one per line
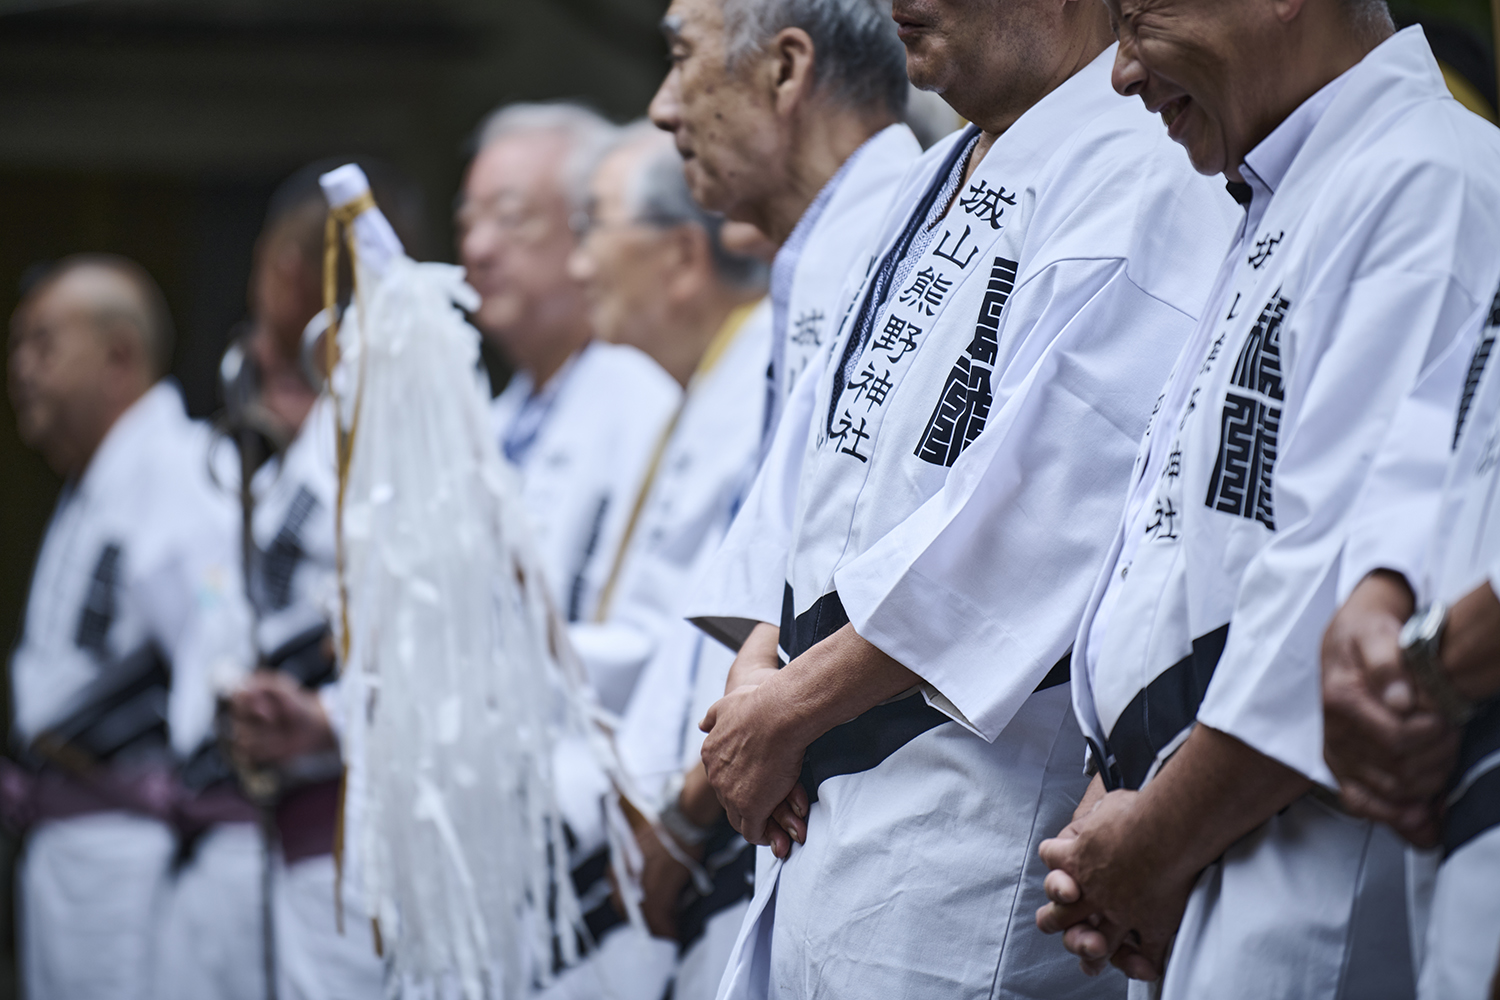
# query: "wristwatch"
[684,830]
[1421,638]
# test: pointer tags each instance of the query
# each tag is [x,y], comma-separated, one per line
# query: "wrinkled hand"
[1389,747]
[1110,901]
[274,720]
[753,760]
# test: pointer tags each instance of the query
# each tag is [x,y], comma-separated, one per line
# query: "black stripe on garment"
[1160,711]
[730,864]
[591,886]
[1479,808]
[865,742]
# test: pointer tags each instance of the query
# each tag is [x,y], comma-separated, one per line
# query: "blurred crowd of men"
[1034,544]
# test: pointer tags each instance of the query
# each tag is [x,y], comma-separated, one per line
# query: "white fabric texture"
[1462,954]
[581,473]
[314,960]
[211,934]
[924,487]
[1366,247]
[91,893]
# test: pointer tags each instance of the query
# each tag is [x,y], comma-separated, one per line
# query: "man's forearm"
[1471,644]
[757,654]
[837,680]
[1212,792]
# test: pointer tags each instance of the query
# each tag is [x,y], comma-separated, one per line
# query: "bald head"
[87,341]
[119,299]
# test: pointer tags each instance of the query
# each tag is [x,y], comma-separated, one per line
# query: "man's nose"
[665,109]
[1129,76]
[476,246]
[581,264]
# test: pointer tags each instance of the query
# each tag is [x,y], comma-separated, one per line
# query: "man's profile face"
[622,262]
[58,363]
[1179,57]
[725,128]
[514,239]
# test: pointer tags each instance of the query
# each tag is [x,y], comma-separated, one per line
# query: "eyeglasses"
[584,221]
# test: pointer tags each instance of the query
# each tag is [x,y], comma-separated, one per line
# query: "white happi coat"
[140,553]
[1366,246]
[1462,910]
[582,445]
[919,484]
[705,465]
[834,236]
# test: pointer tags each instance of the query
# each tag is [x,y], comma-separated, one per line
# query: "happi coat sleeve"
[1373,340]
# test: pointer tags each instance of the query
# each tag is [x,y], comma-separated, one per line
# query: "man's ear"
[691,260]
[791,54]
[1288,11]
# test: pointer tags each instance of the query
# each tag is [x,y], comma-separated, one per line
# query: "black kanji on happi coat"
[898,338]
[983,202]
[807,329]
[1263,250]
[964,405]
[1241,481]
[98,612]
[926,291]
[849,437]
[280,561]
[872,388]
[1476,368]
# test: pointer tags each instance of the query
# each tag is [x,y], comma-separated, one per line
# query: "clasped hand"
[753,753]
[1384,740]
[1112,903]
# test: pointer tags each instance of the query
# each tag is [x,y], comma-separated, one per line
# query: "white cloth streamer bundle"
[458,681]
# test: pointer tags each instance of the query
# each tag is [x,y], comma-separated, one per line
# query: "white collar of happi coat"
[830,241]
[157,413]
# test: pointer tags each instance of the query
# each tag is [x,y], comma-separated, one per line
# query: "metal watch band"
[1421,640]
[684,830]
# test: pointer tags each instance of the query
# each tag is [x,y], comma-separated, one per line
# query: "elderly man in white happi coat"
[579,418]
[802,156]
[1367,242]
[658,277]
[930,514]
[1410,687]
[135,614]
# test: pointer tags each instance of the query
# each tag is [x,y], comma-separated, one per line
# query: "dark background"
[158,128]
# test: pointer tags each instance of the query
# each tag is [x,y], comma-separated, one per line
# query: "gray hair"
[658,195]
[587,133]
[1371,17]
[858,56]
